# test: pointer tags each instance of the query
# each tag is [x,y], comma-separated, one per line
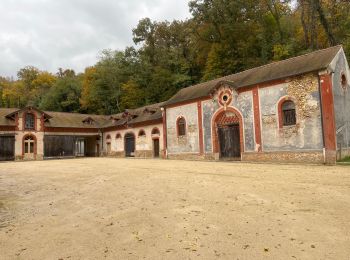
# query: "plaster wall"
[341,96]
[307,133]
[142,143]
[244,104]
[190,142]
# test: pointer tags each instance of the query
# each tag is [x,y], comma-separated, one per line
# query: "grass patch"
[345,160]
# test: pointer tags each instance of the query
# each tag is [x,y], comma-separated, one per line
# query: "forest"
[222,37]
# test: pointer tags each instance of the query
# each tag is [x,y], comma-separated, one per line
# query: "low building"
[296,110]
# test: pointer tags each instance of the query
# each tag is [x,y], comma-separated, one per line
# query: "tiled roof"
[310,62]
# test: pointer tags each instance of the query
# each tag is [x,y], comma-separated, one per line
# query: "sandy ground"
[104,208]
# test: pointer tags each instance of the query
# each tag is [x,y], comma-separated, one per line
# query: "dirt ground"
[105,208]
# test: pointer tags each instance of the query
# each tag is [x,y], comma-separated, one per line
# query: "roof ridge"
[266,65]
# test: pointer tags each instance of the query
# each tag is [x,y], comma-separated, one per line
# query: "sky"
[50,34]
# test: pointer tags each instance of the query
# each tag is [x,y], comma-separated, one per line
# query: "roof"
[314,61]
[144,114]
[3,119]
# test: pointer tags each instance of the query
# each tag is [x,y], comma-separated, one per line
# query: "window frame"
[181,122]
[282,113]
[26,118]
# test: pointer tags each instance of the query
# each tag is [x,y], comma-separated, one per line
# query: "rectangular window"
[30,121]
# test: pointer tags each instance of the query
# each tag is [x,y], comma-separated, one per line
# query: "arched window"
[142,133]
[29,121]
[181,126]
[288,113]
[108,137]
[155,131]
[118,136]
[29,142]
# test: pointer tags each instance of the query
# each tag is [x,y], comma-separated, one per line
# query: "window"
[155,131]
[344,81]
[181,126]
[142,133]
[118,136]
[108,137]
[29,121]
[288,113]
[29,145]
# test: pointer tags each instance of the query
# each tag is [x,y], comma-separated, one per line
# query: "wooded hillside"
[221,38]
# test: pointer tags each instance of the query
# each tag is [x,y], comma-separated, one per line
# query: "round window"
[225,98]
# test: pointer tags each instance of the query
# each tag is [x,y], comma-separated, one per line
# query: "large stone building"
[296,110]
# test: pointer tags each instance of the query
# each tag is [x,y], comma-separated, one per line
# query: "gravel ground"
[106,208]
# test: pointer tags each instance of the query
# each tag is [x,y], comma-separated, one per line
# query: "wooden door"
[229,141]
[129,145]
[7,148]
[97,150]
[156,148]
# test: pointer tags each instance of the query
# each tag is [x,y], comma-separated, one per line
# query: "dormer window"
[88,121]
[29,121]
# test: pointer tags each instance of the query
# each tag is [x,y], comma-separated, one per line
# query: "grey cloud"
[50,34]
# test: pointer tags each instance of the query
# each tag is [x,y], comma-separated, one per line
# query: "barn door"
[7,148]
[156,148]
[229,141]
[129,145]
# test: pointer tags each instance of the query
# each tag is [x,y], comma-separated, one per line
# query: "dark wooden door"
[156,147]
[129,145]
[229,141]
[7,148]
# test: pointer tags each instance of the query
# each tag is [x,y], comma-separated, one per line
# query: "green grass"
[345,160]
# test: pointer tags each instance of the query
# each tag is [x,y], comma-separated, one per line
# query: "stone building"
[296,110]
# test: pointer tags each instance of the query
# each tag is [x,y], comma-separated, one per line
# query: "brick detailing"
[164,135]
[217,116]
[257,125]
[328,118]
[200,127]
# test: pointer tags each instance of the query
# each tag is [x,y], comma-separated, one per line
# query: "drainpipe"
[323,137]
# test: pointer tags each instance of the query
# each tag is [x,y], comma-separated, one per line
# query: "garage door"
[7,148]
[59,146]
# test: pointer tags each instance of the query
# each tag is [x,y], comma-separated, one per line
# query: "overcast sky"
[50,34]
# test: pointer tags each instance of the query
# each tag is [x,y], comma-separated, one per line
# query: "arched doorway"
[129,145]
[228,134]
[29,147]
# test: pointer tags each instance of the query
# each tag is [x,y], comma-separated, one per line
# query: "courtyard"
[106,208]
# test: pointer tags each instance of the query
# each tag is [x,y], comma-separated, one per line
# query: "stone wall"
[307,133]
[315,157]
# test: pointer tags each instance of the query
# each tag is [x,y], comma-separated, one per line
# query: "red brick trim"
[280,110]
[328,115]
[35,144]
[200,127]
[164,134]
[257,125]
[7,128]
[216,116]
[17,122]
[70,130]
[177,125]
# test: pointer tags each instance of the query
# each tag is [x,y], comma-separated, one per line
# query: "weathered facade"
[296,110]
